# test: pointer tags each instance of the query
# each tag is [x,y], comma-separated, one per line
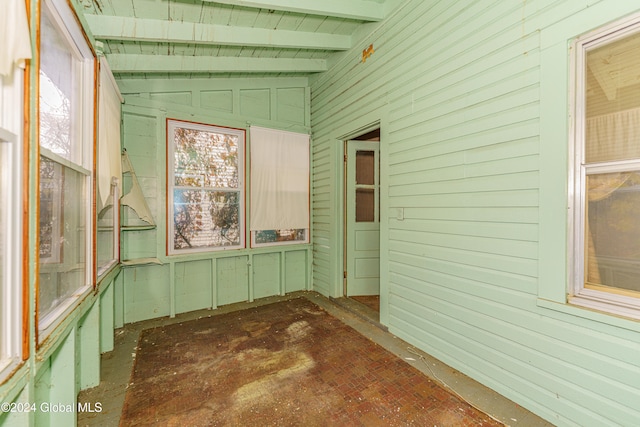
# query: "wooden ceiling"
[200,38]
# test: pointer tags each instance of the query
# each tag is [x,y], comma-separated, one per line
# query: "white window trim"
[610,302]
[11,282]
[176,123]
[67,24]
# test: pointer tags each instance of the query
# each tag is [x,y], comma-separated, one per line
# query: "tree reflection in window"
[206,192]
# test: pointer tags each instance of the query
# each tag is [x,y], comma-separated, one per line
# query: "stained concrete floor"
[116,365]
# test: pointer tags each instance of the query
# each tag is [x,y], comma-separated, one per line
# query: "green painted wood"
[24,418]
[255,103]
[221,100]
[266,274]
[132,63]
[295,276]
[363,237]
[183,98]
[477,163]
[355,9]
[193,284]
[146,293]
[62,385]
[88,349]
[232,280]
[107,318]
[41,393]
[156,30]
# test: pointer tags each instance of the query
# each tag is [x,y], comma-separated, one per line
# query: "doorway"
[362,220]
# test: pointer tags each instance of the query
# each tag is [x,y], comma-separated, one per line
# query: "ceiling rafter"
[136,63]
[350,9]
[154,30]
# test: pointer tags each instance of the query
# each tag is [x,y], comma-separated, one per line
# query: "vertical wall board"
[232,280]
[295,276]
[255,103]
[481,185]
[42,393]
[290,104]
[183,98]
[266,274]
[107,318]
[63,389]
[193,285]
[88,348]
[23,418]
[146,293]
[138,244]
[118,301]
[220,100]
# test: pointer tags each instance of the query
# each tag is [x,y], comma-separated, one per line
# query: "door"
[363,218]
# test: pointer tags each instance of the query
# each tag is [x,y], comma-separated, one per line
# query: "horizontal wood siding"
[461,82]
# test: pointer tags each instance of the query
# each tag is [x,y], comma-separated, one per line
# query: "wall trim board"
[136,105]
[135,86]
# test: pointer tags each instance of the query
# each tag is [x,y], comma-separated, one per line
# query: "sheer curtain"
[609,137]
[279,179]
[109,161]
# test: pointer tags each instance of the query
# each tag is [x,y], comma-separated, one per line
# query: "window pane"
[205,159]
[204,218]
[613,230]
[63,234]
[365,205]
[365,167]
[276,236]
[59,93]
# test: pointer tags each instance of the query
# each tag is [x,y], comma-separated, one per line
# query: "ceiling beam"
[154,30]
[351,9]
[134,63]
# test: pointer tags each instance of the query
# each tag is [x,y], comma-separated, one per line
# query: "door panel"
[363,218]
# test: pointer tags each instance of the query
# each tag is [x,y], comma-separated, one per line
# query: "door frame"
[377,118]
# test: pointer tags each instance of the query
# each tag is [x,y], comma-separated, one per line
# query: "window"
[10,233]
[205,188]
[606,229]
[66,90]
[16,48]
[279,187]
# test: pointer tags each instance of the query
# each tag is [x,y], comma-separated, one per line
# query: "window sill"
[598,313]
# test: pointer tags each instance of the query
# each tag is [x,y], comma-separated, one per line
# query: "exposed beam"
[134,63]
[351,9]
[155,30]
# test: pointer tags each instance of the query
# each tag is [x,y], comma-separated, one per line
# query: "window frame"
[171,124]
[615,301]
[66,24]
[11,277]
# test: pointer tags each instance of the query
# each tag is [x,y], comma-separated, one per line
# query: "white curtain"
[14,33]
[609,137]
[109,162]
[279,179]
[614,136]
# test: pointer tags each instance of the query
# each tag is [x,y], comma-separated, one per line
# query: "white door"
[363,218]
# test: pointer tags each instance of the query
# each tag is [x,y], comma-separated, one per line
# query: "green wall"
[471,97]
[155,284]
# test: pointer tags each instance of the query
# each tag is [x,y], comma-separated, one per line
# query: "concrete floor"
[117,365]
